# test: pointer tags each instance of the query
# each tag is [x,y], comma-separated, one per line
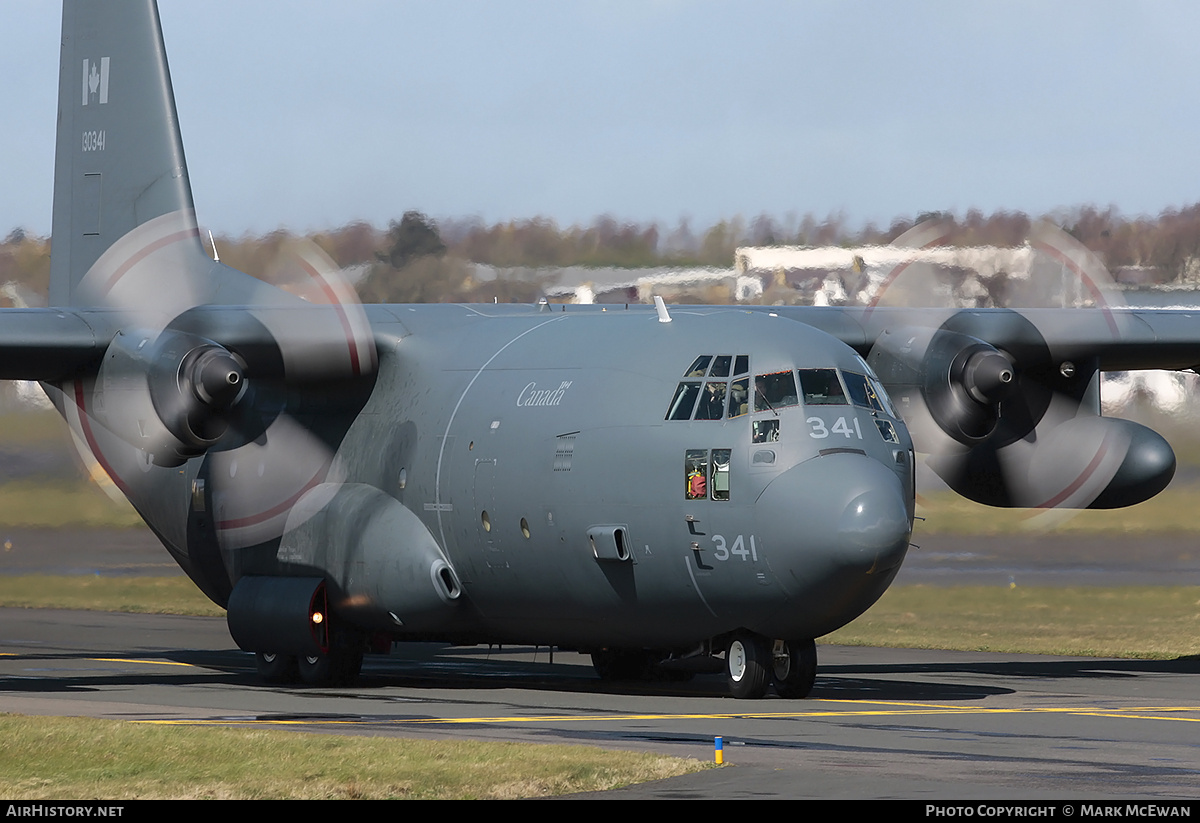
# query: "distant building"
[585,284]
[834,276]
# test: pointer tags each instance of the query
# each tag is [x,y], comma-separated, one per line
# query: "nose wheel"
[747,665]
[794,667]
[752,662]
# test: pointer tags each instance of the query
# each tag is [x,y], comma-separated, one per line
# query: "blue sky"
[312,114]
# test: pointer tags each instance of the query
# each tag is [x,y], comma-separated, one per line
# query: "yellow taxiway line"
[890,708]
[902,710]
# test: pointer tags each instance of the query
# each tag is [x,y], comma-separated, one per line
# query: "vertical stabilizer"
[119,157]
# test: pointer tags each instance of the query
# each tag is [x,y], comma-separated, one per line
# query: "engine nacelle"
[1087,462]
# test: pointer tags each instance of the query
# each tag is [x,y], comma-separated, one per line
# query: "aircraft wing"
[49,344]
[1118,339]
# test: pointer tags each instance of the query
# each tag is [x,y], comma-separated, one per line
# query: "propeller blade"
[327,344]
[256,486]
[204,361]
[1002,419]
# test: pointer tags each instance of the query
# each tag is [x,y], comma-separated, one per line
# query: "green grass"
[65,498]
[44,427]
[1129,621]
[1174,511]
[81,758]
[53,504]
[142,595]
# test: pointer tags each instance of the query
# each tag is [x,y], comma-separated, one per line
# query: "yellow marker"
[718,751]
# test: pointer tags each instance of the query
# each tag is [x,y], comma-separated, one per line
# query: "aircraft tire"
[747,665]
[276,668]
[338,667]
[794,668]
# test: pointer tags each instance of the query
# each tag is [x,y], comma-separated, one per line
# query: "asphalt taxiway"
[881,723]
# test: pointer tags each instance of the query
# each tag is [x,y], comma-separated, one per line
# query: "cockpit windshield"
[699,399]
[719,387]
[821,387]
[775,391]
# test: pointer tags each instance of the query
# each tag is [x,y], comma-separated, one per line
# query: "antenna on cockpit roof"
[661,308]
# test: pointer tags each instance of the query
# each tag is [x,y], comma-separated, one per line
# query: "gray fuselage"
[536,451]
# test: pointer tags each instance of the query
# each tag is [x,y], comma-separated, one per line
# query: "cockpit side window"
[706,399]
[720,367]
[684,401]
[862,392]
[880,392]
[699,367]
[882,396]
[821,387]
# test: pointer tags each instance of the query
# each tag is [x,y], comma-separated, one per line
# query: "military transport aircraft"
[659,487]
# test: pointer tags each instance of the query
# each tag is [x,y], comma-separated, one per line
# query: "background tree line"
[416,259]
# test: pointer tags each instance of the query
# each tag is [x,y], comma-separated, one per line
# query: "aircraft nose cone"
[874,529]
[834,530]
[840,512]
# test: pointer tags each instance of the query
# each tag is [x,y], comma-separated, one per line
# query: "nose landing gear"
[747,664]
[794,667]
[752,662]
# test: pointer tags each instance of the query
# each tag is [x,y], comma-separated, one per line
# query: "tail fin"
[119,156]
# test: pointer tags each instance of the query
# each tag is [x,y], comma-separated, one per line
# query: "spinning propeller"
[1004,420]
[208,361]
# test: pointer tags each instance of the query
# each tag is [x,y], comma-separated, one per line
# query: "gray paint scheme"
[506,473]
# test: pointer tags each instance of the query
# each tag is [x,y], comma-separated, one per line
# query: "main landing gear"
[752,663]
[337,667]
